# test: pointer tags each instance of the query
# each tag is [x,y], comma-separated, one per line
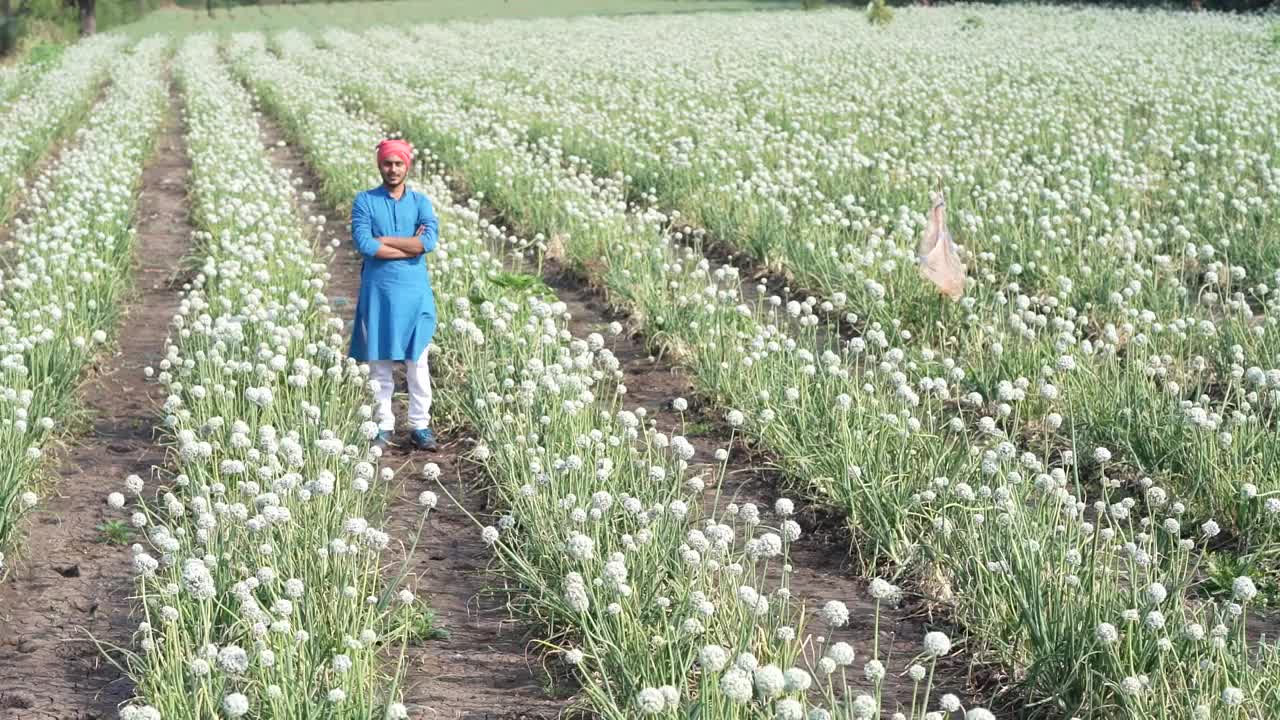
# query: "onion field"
[712,446]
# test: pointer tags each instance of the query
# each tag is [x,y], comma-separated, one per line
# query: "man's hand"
[408,246]
[387,252]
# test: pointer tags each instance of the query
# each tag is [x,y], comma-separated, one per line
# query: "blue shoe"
[383,439]
[424,440]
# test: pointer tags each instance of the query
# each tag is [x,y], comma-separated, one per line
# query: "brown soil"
[484,669]
[74,589]
[481,670]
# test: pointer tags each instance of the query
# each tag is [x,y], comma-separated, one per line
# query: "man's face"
[392,169]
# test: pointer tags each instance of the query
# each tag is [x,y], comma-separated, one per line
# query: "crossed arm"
[391,247]
[400,248]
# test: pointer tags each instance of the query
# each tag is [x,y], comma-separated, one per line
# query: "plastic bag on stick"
[940,262]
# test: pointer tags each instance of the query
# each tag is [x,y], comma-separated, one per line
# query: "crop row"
[1109,234]
[17,77]
[260,584]
[48,109]
[72,255]
[622,557]
[1042,575]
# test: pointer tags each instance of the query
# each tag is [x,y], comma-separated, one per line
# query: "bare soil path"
[481,670]
[72,586]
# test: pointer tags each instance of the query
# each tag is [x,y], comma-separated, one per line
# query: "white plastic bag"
[940,262]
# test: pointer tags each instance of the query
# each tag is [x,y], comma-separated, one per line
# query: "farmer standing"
[394,227]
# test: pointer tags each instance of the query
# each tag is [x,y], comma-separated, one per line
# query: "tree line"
[67,18]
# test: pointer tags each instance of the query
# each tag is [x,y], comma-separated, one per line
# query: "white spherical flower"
[337,695]
[835,614]
[139,712]
[949,703]
[1156,593]
[233,660]
[937,644]
[736,686]
[797,680]
[397,711]
[864,707]
[1155,620]
[489,535]
[788,709]
[427,499]
[979,714]
[115,500]
[1243,589]
[1106,633]
[235,705]
[713,658]
[841,653]
[649,701]
[790,530]
[769,681]
[1232,697]
[883,590]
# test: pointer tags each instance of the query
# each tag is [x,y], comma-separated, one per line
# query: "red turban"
[395,147]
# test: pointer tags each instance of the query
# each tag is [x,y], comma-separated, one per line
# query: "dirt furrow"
[73,589]
[478,667]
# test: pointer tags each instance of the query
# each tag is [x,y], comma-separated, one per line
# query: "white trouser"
[419,376]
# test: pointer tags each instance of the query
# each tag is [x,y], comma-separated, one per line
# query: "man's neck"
[396,192]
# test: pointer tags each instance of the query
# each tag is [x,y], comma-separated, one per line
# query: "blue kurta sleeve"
[427,217]
[362,227]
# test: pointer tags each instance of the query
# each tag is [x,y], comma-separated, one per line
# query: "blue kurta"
[396,312]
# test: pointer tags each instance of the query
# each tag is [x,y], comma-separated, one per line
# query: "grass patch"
[1223,568]
[115,532]
[501,284]
[423,627]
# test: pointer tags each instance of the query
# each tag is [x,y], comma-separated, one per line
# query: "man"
[394,227]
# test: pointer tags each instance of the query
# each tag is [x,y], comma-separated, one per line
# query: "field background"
[28,24]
